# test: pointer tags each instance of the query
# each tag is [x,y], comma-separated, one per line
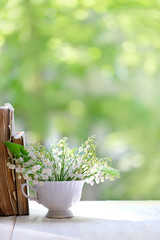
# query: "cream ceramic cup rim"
[60,181]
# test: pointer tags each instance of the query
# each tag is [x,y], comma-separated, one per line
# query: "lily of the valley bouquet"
[38,164]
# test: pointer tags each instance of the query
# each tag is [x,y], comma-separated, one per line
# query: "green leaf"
[73,150]
[16,149]
[26,158]
[23,151]
[112,171]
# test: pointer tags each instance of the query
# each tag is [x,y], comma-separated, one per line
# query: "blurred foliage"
[81,67]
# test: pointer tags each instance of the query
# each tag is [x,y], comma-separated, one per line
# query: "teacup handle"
[34,189]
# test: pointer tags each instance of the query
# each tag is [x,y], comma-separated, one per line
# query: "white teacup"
[58,196]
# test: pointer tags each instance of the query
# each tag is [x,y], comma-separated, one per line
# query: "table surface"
[100,220]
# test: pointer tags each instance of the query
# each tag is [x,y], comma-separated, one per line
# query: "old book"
[8,195]
[12,202]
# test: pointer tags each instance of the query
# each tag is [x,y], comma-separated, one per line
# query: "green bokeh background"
[81,67]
